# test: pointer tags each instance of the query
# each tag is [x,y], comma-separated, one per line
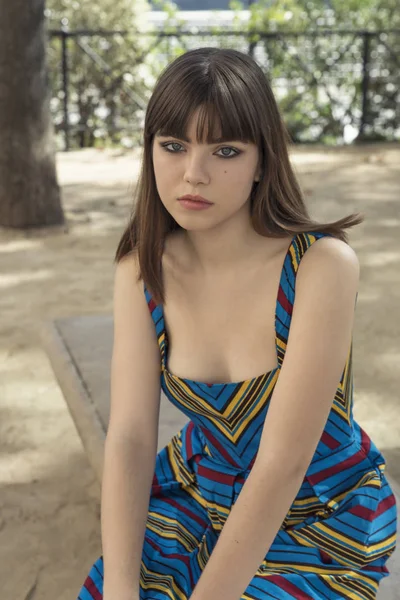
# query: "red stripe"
[365,441]
[385,504]
[368,514]
[217,476]
[362,511]
[329,441]
[284,302]
[382,569]
[290,588]
[152,304]
[325,557]
[92,588]
[182,557]
[185,510]
[221,449]
[339,467]
[170,556]
[188,440]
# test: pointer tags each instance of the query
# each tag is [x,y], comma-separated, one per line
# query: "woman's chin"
[191,223]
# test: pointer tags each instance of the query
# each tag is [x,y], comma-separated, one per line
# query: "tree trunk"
[29,192]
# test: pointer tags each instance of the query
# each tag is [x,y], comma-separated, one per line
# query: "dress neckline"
[245,382]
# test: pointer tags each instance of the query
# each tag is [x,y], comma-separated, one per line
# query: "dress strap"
[157,315]
[286,293]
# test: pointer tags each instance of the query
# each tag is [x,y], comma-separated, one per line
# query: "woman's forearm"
[127,477]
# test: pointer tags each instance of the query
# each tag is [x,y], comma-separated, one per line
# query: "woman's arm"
[131,443]
[128,473]
[318,346]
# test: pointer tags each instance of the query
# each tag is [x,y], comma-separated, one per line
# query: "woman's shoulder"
[128,264]
[329,257]
[326,247]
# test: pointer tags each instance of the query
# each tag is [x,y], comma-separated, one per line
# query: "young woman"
[230,298]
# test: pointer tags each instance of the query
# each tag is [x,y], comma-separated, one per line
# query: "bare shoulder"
[329,258]
[130,303]
[128,265]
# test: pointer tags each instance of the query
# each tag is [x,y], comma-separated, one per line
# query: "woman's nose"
[196,171]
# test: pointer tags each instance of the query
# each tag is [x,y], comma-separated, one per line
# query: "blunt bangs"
[224,103]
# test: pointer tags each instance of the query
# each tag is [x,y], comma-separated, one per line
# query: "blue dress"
[341,527]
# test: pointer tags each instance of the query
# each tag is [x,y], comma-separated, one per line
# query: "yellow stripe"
[349,594]
[281,344]
[294,258]
[304,568]
[334,547]
[178,467]
[177,593]
[382,545]
[159,521]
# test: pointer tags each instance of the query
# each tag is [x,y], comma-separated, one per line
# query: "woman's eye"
[226,154]
[173,144]
[175,148]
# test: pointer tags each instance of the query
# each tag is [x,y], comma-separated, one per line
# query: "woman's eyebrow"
[186,139]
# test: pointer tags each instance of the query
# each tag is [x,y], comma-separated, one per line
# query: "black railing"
[324,80]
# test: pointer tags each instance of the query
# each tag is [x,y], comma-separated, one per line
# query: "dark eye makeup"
[164,146]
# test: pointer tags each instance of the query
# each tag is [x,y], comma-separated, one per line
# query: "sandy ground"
[49,496]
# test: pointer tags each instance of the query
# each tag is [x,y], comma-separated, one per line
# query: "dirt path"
[49,497]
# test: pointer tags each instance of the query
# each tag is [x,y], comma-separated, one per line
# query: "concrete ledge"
[79,350]
[83,410]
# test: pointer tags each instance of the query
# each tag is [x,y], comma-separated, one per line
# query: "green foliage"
[103,14]
[316,79]
[272,15]
[323,74]
[106,87]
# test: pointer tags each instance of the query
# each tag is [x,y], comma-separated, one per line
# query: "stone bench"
[79,349]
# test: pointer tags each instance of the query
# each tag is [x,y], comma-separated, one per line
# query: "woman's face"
[222,173]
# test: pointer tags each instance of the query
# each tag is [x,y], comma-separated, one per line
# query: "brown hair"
[235,99]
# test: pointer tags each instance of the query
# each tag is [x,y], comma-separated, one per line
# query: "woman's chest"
[221,331]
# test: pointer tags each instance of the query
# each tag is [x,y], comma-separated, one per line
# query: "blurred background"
[75,79]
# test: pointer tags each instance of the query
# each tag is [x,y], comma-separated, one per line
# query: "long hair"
[235,99]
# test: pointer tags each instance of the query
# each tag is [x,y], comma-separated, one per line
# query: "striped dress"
[341,527]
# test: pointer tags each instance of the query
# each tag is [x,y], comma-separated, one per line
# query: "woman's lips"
[195,198]
[194,204]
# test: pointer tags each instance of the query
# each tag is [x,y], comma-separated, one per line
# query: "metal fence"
[332,86]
